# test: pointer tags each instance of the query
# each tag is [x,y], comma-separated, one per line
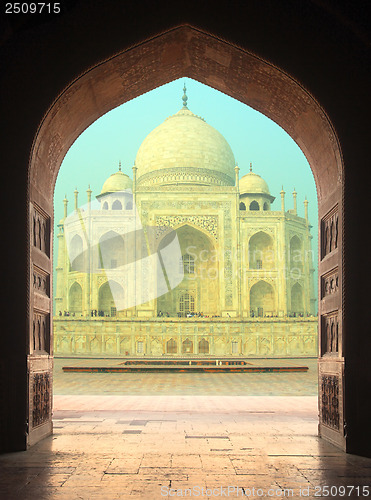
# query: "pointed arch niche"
[188,52]
[75,299]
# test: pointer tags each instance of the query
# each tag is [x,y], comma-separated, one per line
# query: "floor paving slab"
[187,439]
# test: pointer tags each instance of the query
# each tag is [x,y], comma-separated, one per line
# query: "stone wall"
[263,337]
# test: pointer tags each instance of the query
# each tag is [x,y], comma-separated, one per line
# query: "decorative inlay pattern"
[330,231]
[207,222]
[41,281]
[330,283]
[330,325]
[41,398]
[330,415]
[40,230]
[191,175]
[264,229]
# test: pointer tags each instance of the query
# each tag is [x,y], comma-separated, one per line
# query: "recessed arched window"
[111,252]
[187,346]
[203,346]
[297,299]
[297,257]
[261,251]
[75,298]
[171,346]
[110,298]
[265,206]
[254,205]
[242,206]
[116,205]
[262,299]
[187,264]
[76,253]
[105,206]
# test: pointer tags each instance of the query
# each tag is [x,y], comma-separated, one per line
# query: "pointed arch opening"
[297,300]
[76,253]
[117,205]
[304,119]
[262,299]
[171,346]
[187,346]
[75,299]
[110,295]
[111,250]
[297,256]
[204,346]
[261,251]
[199,264]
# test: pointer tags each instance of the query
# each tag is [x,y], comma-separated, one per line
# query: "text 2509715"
[32,8]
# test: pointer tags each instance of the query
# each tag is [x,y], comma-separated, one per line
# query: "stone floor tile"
[186,462]
[157,460]
[272,442]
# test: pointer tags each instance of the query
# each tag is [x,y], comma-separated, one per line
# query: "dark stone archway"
[35,77]
[186,51]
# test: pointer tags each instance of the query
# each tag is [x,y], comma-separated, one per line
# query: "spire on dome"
[250,166]
[120,166]
[185,98]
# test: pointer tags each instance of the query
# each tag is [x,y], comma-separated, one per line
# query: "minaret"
[306,210]
[76,199]
[283,257]
[294,194]
[282,193]
[89,191]
[135,168]
[310,302]
[238,229]
[88,262]
[60,288]
[236,170]
[65,203]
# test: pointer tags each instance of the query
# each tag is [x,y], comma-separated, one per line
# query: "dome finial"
[184,98]
[120,166]
[250,166]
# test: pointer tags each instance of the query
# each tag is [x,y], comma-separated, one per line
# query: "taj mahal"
[184,258]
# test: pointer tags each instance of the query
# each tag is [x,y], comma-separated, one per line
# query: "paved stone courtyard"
[151,437]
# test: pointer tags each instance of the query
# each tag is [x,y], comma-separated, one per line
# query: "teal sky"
[117,135]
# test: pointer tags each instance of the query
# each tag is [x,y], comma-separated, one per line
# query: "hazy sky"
[117,135]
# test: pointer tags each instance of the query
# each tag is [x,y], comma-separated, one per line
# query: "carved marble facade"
[133,337]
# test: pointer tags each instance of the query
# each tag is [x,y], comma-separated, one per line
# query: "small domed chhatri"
[117,182]
[254,192]
[252,183]
[184,149]
[227,269]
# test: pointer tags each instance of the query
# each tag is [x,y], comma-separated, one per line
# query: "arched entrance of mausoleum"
[185,51]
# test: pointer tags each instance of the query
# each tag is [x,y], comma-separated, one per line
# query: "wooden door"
[332,425]
[40,353]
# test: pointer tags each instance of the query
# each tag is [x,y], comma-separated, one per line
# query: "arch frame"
[265,282]
[191,52]
[210,238]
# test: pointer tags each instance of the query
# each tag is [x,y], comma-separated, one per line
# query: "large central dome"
[184,149]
